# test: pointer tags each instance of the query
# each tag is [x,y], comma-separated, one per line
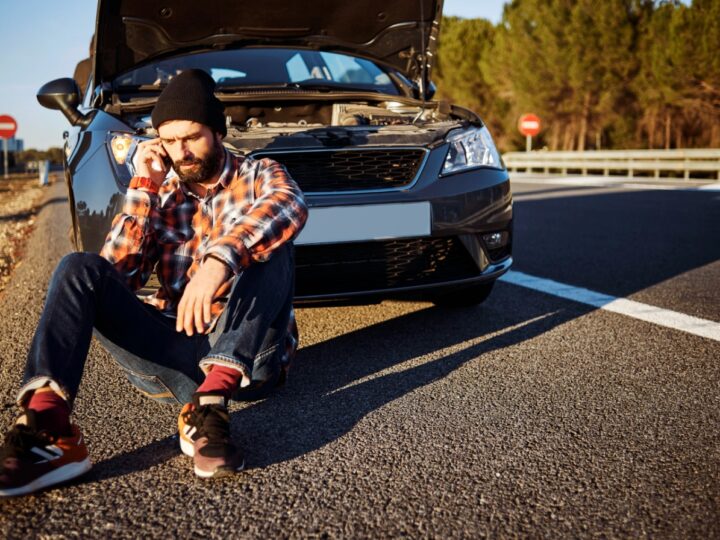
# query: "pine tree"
[703,22]
[528,66]
[610,73]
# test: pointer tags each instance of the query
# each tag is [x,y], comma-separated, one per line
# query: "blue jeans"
[87,295]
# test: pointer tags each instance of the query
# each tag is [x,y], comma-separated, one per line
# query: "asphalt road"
[529,416]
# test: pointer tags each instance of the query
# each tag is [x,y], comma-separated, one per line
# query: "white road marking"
[674,184]
[710,187]
[623,306]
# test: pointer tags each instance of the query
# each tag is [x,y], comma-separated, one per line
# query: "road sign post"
[529,125]
[8,127]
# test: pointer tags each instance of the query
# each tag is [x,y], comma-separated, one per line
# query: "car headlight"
[471,148]
[122,147]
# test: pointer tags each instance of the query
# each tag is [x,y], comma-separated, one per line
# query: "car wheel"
[463,296]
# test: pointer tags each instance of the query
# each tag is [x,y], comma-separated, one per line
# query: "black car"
[407,196]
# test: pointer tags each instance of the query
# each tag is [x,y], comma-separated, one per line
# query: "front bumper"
[463,208]
[388,269]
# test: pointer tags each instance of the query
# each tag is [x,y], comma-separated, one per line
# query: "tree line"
[599,73]
[53,154]
[24,160]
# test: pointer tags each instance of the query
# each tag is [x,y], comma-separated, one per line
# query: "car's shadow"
[342,380]
[335,383]
[617,243]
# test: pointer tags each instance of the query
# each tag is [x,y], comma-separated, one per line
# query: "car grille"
[350,170]
[368,266]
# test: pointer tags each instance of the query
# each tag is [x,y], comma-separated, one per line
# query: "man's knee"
[80,262]
[81,269]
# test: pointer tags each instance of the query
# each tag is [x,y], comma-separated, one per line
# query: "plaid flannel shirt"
[253,209]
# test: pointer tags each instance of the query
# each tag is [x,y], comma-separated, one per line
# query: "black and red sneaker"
[31,460]
[204,431]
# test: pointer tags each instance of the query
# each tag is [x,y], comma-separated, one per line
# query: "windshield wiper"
[291,86]
[234,87]
[332,86]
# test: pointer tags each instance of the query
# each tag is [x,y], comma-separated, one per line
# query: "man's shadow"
[335,383]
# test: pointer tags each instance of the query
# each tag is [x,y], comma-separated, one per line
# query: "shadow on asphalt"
[136,460]
[616,243]
[324,400]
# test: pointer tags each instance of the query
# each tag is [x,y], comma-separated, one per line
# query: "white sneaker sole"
[59,475]
[186,446]
[218,472]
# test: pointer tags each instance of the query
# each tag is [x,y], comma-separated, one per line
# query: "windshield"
[267,67]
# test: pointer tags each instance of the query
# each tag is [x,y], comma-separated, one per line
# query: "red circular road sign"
[529,124]
[8,126]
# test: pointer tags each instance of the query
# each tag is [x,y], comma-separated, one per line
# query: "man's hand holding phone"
[152,161]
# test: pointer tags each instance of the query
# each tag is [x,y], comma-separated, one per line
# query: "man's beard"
[207,168]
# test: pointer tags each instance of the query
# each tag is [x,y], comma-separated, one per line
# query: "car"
[408,196]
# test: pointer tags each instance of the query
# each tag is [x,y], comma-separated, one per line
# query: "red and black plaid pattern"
[253,209]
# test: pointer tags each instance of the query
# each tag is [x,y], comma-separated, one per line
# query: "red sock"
[221,380]
[51,410]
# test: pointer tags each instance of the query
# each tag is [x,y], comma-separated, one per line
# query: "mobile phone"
[166,164]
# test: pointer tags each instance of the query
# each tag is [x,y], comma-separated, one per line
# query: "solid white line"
[616,182]
[623,306]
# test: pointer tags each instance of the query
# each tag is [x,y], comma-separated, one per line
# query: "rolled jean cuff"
[227,361]
[38,382]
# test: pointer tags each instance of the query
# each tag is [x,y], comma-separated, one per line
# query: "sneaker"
[204,429]
[31,460]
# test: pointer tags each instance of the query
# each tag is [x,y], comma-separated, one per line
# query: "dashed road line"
[637,310]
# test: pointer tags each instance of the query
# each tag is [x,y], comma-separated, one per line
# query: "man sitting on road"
[219,233]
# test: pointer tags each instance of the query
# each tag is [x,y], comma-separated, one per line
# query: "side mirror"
[62,95]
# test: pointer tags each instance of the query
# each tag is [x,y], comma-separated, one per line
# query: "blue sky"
[44,40]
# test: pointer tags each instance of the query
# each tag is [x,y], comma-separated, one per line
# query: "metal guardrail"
[688,162]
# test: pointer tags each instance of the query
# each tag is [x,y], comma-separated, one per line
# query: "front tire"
[463,296]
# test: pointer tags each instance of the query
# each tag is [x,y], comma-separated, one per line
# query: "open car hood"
[395,32]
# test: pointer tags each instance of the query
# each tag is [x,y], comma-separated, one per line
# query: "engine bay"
[289,124]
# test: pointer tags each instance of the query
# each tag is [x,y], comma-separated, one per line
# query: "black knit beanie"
[190,96]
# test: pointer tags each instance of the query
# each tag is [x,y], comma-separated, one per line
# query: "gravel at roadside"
[20,197]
